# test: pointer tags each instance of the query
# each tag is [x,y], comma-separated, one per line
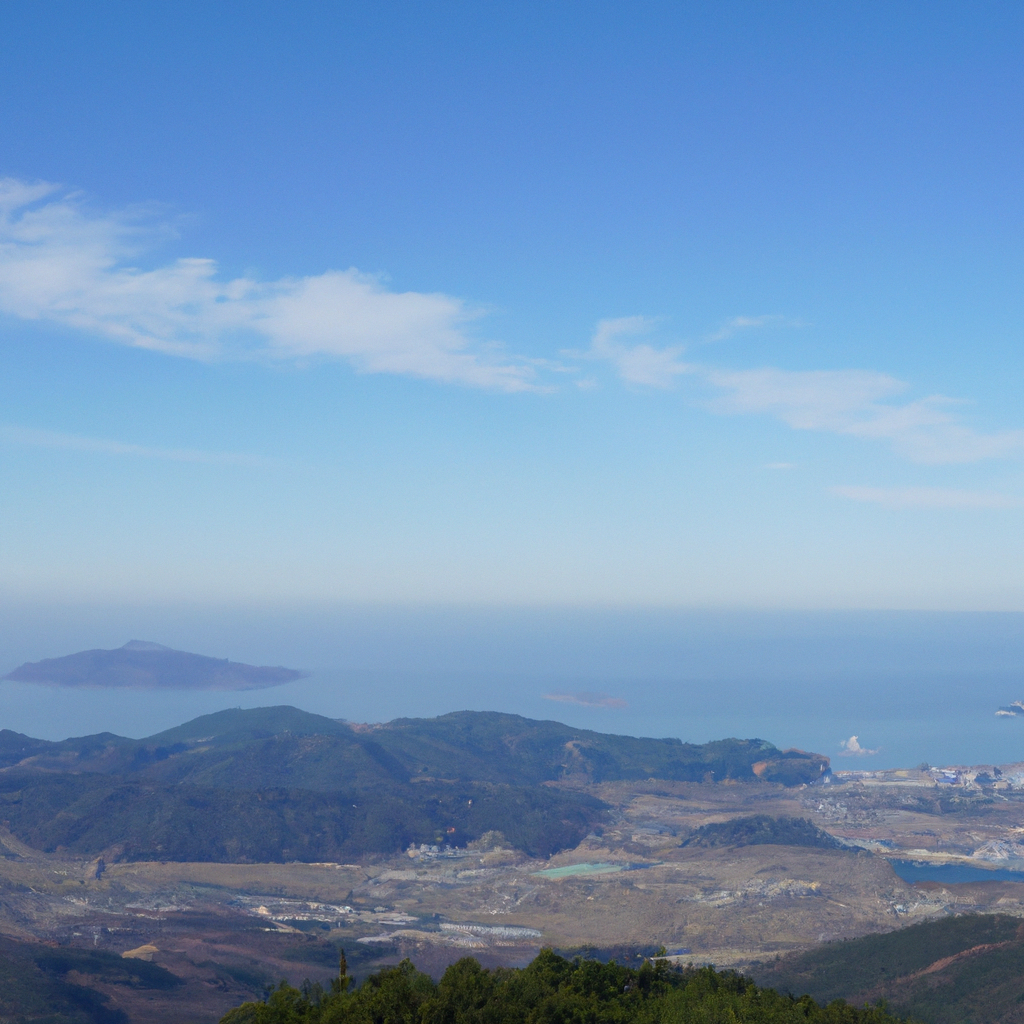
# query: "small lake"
[569,870]
[591,868]
[917,871]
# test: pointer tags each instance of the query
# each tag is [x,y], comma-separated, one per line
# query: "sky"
[566,306]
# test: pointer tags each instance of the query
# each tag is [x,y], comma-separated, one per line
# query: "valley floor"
[229,929]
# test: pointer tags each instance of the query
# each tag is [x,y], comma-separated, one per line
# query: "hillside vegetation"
[491,746]
[762,830]
[549,989]
[278,784]
[130,820]
[41,983]
[959,970]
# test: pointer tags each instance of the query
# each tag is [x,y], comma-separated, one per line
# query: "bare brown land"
[228,929]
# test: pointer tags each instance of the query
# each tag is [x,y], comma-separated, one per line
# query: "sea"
[866,689]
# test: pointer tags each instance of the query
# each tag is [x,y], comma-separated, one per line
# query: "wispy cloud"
[636,364]
[742,323]
[805,399]
[64,263]
[587,700]
[861,403]
[647,364]
[852,748]
[780,465]
[76,443]
[857,403]
[928,497]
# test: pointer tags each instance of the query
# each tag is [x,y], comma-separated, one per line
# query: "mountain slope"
[40,983]
[282,784]
[959,970]
[93,814]
[283,746]
[501,747]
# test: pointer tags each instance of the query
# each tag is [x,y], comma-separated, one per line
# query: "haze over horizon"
[630,347]
[913,686]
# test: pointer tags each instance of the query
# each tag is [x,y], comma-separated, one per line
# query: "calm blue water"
[913,686]
[911,871]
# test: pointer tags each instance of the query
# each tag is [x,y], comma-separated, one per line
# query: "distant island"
[142,665]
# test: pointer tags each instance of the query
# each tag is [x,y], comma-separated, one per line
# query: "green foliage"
[90,813]
[288,748]
[551,990]
[957,970]
[763,829]
[279,784]
[34,985]
[15,746]
[510,748]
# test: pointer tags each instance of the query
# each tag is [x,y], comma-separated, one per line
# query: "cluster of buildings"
[428,852]
[978,777]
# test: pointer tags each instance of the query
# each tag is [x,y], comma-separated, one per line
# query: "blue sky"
[630,305]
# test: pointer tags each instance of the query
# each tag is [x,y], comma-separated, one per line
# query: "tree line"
[551,990]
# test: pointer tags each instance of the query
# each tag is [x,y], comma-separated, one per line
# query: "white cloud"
[645,364]
[928,497]
[851,748]
[741,323]
[61,263]
[10,434]
[588,700]
[859,403]
[807,399]
[636,364]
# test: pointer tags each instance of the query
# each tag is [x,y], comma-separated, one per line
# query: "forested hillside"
[43,983]
[959,970]
[281,784]
[763,830]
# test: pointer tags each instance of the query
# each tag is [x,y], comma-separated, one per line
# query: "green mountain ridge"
[279,783]
[958,970]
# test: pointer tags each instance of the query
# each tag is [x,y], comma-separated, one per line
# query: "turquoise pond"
[590,868]
[568,870]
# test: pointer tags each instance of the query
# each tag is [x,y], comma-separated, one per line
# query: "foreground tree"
[551,990]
